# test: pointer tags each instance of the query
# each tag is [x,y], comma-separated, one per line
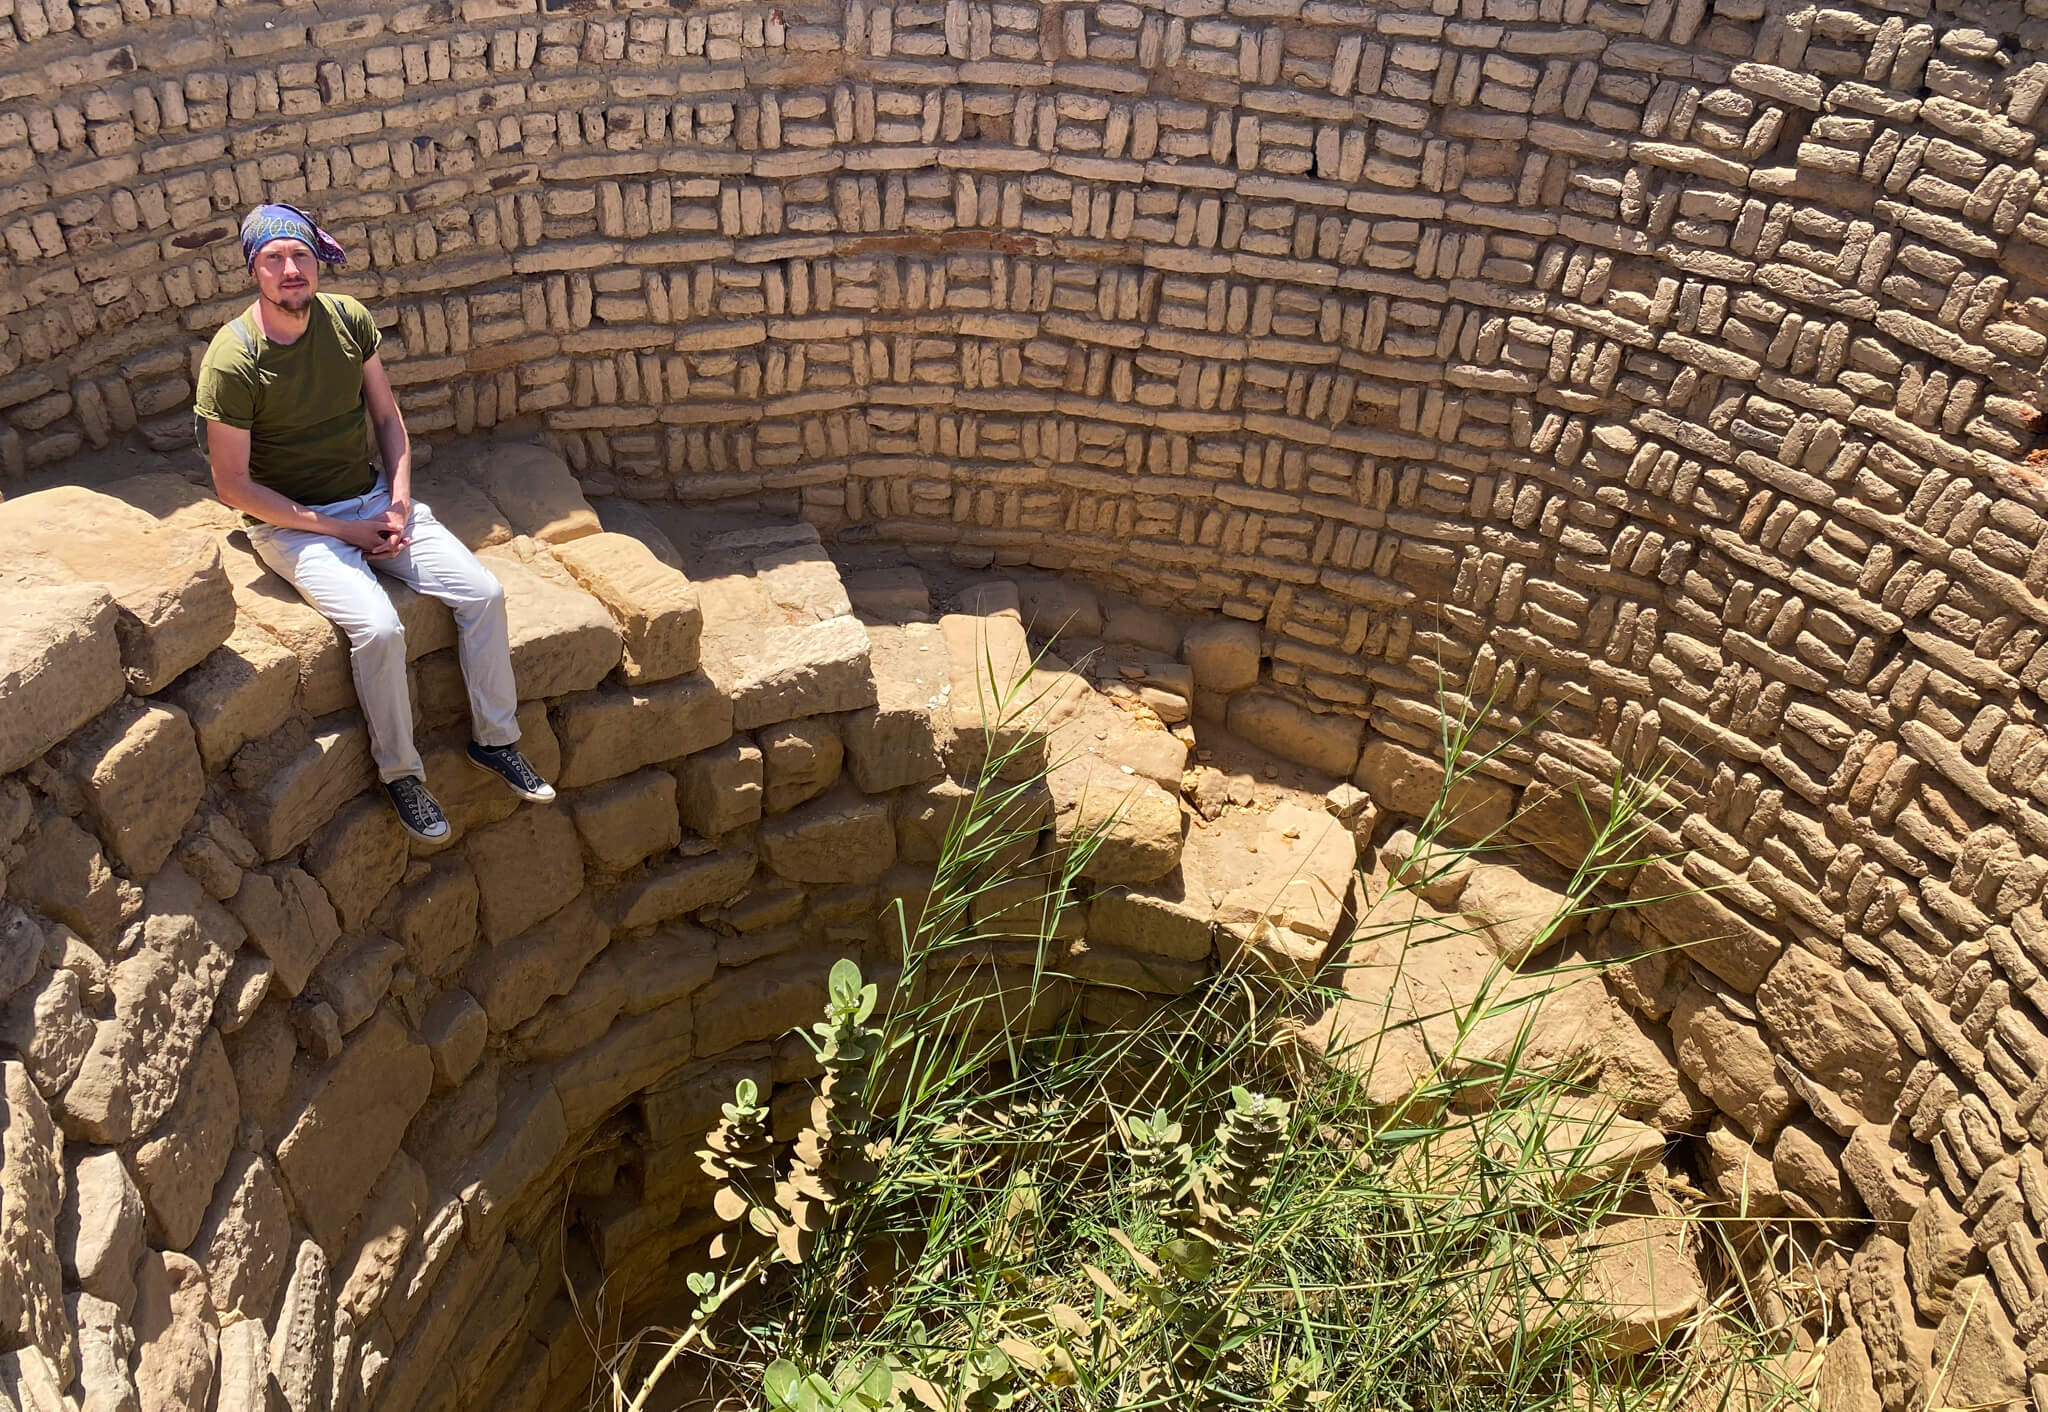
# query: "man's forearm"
[271,507]
[396,447]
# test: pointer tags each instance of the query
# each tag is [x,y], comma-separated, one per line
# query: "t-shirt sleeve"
[362,327]
[227,393]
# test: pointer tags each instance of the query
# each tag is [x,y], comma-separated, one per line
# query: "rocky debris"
[1280,884]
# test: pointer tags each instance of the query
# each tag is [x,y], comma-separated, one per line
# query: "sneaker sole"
[441,837]
[528,795]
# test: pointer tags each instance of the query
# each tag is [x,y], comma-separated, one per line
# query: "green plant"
[1165,1213]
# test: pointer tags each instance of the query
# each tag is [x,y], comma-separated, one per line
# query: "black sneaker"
[509,765]
[416,808]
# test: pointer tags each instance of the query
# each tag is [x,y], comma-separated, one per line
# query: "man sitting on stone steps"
[283,395]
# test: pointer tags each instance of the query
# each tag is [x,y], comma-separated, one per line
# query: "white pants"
[341,581]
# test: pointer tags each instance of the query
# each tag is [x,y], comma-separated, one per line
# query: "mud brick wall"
[1664,374]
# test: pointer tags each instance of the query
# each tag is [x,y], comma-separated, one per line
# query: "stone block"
[172,597]
[1710,932]
[672,888]
[291,783]
[654,606]
[289,918]
[137,768]
[719,790]
[437,917]
[634,1053]
[618,729]
[64,876]
[1731,1062]
[780,671]
[473,797]
[455,1028]
[463,509]
[799,760]
[177,1339]
[1408,783]
[902,738]
[1058,608]
[893,594]
[842,838]
[1328,743]
[355,978]
[629,978]
[31,1195]
[164,987]
[1518,915]
[266,602]
[1147,627]
[1130,824]
[628,820]
[1281,881]
[349,1126]
[993,708]
[44,1023]
[358,857]
[536,491]
[1816,1018]
[100,1231]
[60,665]
[1147,973]
[527,868]
[239,692]
[562,639]
[177,1165]
[1223,655]
[245,1237]
[1166,918]
[763,1001]
[513,978]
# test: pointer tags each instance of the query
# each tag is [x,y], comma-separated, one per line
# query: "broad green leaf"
[779,1381]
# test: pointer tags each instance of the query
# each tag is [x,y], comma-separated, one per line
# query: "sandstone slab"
[1224,655]
[535,490]
[654,606]
[1404,781]
[1711,933]
[994,708]
[527,868]
[628,820]
[1130,824]
[31,1194]
[1810,1010]
[164,990]
[351,1122]
[1730,1060]
[1328,743]
[60,665]
[799,760]
[173,598]
[358,857]
[100,1234]
[138,770]
[245,1238]
[514,977]
[289,918]
[239,692]
[902,739]
[292,783]
[842,838]
[616,729]
[177,1166]
[719,789]
[562,639]
[672,888]
[437,916]
[177,1335]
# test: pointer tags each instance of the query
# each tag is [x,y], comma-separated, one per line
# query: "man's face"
[287,275]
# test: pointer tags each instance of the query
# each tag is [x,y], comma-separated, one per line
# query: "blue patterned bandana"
[278,221]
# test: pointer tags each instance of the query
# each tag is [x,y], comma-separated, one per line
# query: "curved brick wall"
[1666,371]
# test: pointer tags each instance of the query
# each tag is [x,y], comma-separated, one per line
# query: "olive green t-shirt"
[300,402]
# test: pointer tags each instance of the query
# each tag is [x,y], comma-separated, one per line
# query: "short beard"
[292,302]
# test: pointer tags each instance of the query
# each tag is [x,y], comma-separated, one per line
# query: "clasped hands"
[381,536]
